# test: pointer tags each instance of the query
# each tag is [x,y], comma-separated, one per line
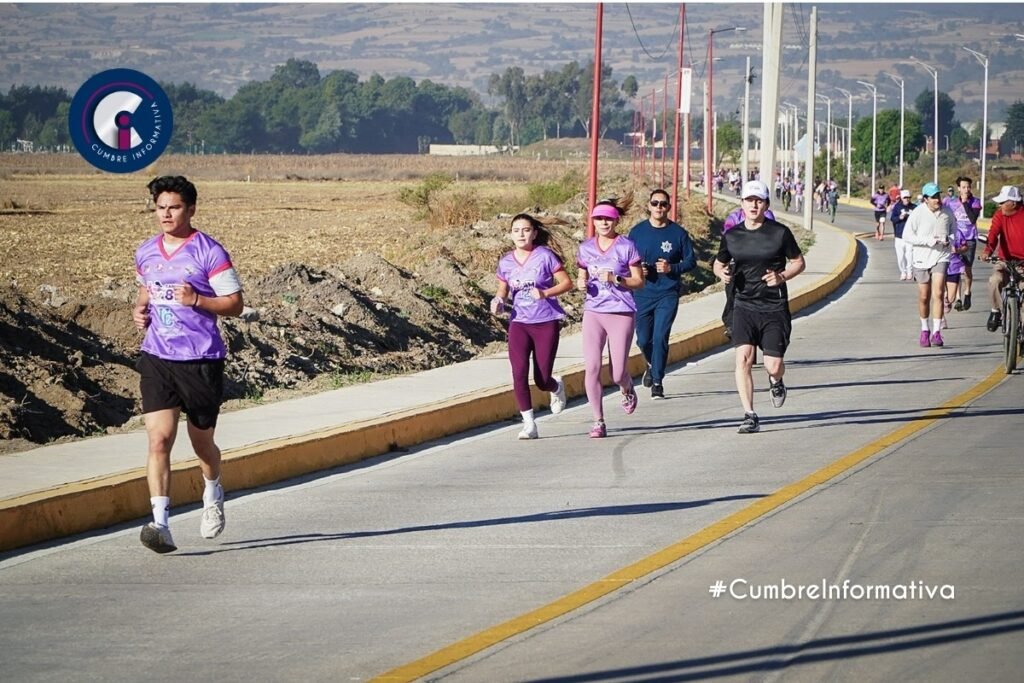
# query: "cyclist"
[1006,234]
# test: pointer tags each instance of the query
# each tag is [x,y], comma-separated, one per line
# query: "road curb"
[104,501]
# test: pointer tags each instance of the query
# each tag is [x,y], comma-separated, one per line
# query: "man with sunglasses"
[929,230]
[667,252]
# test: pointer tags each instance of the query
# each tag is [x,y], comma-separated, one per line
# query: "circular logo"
[120,120]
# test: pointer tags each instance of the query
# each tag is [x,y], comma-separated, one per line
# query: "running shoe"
[995,321]
[937,339]
[558,397]
[212,521]
[925,339]
[528,432]
[598,431]
[958,305]
[657,391]
[778,392]
[750,424]
[967,302]
[647,380]
[157,538]
[629,402]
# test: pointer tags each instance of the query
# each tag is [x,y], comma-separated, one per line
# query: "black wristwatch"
[618,279]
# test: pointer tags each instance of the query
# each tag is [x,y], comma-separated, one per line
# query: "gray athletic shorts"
[923,276]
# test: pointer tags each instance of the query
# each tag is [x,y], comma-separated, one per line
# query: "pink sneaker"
[629,402]
[598,431]
[937,339]
[924,339]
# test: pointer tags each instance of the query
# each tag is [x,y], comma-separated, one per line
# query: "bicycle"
[1013,327]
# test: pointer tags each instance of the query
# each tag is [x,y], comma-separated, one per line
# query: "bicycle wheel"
[1011,332]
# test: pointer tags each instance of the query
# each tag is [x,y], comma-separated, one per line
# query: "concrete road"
[358,572]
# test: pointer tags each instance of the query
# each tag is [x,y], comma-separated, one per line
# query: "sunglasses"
[662,205]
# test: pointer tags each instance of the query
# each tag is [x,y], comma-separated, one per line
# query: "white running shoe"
[157,538]
[528,432]
[212,522]
[558,397]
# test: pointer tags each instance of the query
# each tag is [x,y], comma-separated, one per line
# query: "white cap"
[904,193]
[755,188]
[1009,193]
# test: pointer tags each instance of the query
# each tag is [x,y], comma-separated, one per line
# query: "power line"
[643,47]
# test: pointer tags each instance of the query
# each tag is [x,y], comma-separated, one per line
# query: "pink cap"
[605,211]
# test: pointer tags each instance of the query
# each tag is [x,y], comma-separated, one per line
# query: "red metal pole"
[654,128]
[595,120]
[664,131]
[643,139]
[679,105]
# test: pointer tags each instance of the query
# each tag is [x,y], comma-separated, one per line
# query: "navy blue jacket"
[671,243]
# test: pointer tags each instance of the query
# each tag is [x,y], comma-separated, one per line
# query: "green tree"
[924,105]
[511,88]
[887,149]
[728,141]
[7,129]
[1013,137]
[630,87]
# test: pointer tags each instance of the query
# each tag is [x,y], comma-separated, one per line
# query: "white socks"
[213,491]
[924,324]
[936,324]
[527,418]
[161,510]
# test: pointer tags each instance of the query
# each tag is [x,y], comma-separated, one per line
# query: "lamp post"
[874,127]
[983,60]
[935,144]
[744,162]
[849,136]
[794,137]
[828,137]
[709,118]
[903,116]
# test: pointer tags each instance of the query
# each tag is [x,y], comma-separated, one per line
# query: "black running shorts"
[768,330]
[196,387]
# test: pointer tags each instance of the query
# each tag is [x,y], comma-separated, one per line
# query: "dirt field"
[346,283]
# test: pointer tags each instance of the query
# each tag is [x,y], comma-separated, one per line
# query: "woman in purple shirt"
[530,277]
[880,200]
[610,267]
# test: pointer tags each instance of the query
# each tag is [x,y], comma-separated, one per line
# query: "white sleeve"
[225,282]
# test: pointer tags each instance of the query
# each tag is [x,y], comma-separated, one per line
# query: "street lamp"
[828,138]
[874,127]
[849,136]
[983,60]
[903,116]
[709,119]
[935,138]
[794,137]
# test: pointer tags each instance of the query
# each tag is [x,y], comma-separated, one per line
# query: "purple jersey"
[608,297]
[737,217]
[176,331]
[956,265]
[538,271]
[880,201]
[964,225]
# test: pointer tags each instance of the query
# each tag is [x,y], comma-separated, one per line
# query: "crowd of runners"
[632,283]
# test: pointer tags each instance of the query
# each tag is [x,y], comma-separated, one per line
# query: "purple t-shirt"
[964,225]
[956,265]
[880,200]
[538,271]
[608,297]
[176,331]
[737,217]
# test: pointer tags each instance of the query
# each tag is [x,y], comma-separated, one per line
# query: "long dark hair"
[543,238]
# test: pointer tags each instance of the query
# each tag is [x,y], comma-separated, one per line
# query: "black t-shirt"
[756,252]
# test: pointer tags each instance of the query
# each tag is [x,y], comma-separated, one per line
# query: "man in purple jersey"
[186,280]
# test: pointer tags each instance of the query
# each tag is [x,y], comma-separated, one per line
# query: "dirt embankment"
[67,359]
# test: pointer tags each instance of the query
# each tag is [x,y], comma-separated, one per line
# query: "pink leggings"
[617,330]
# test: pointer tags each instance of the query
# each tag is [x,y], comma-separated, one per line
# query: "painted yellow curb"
[108,500]
[479,642]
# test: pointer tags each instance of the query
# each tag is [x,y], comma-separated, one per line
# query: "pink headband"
[605,211]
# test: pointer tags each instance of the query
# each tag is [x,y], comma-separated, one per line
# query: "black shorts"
[768,330]
[194,386]
[880,215]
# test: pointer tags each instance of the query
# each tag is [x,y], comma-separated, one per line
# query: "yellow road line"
[478,642]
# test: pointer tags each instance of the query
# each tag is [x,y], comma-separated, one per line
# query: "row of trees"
[296,110]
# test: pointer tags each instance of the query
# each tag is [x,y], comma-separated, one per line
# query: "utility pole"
[812,75]
[771,65]
[595,120]
[679,111]
[744,162]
